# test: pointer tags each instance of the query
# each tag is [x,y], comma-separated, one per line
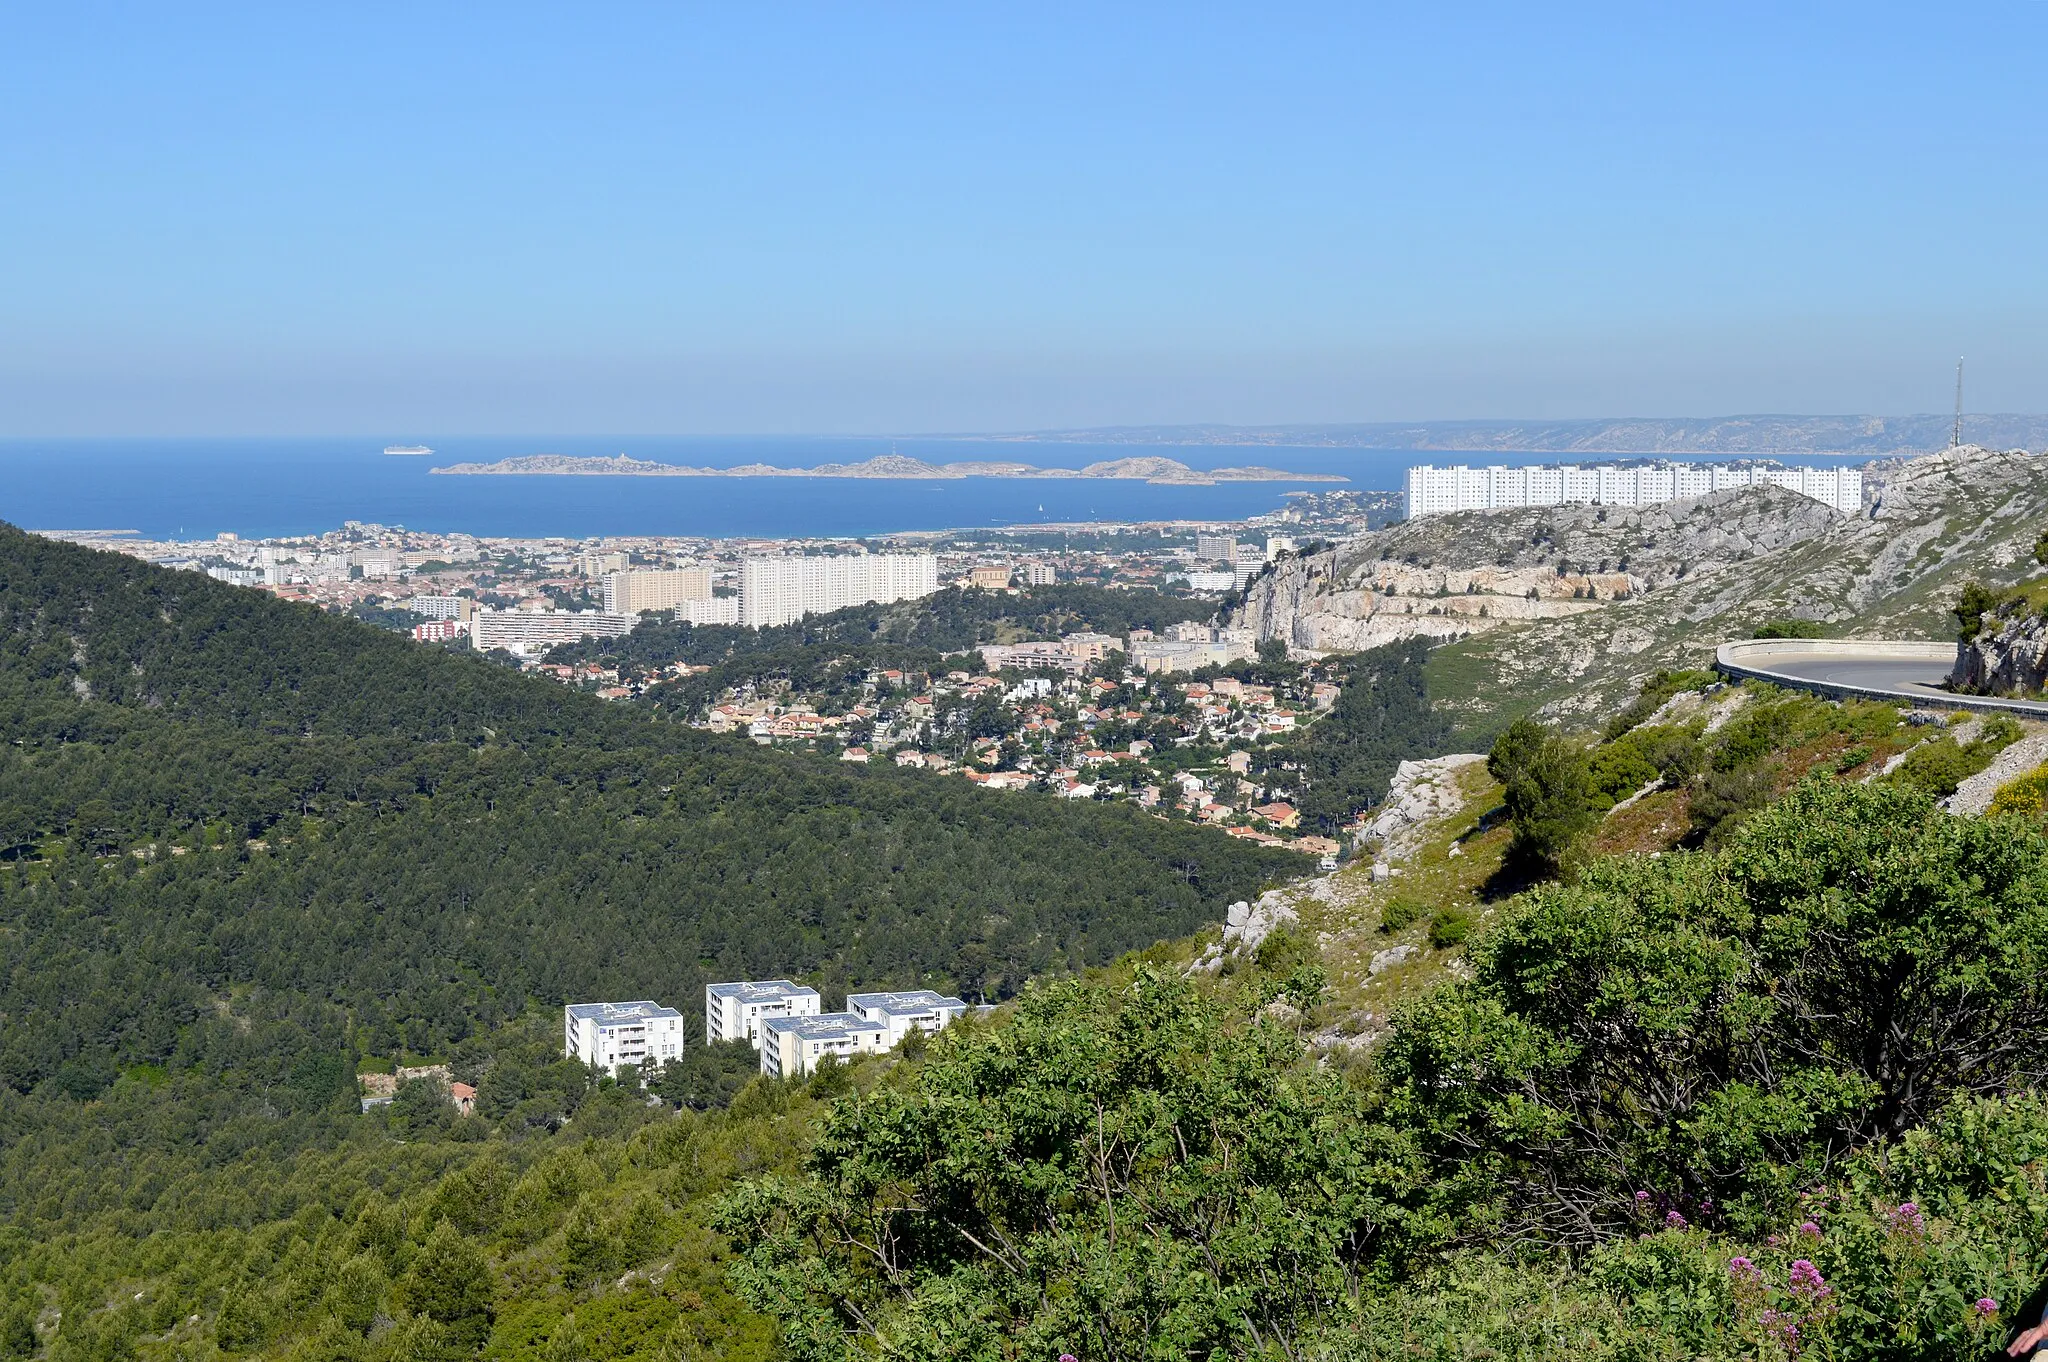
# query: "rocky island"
[1151,469]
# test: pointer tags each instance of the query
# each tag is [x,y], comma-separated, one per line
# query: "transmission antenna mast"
[1955,435]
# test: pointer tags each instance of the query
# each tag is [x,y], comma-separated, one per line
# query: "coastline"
[1156,470]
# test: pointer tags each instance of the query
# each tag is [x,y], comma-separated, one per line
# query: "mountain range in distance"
[1151,469]
[1869,436]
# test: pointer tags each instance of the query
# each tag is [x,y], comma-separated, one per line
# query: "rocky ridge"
[1657,587]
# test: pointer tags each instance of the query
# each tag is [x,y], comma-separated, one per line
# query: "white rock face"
[2009,658]
[1974,794]
[1421,792]
[1246,925]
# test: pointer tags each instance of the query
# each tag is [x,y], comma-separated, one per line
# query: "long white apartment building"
[735,1011]
[918,1009]
[1434,491]
[536,631]
[784,590]
[630,593]
[613,1035]
[792,1046]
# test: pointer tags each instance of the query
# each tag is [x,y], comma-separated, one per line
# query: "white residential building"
[631,593]
[1040,574]
[442,607]
[735,1011]
[919,1009]
[717,610]
[1434,491]
[535,631]
[613,1035]
[1216,548]
[784,590]
[792,1046]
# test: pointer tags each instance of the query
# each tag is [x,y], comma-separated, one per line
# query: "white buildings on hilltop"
[792,1046]
[529,632]
[1434,491]
[630,593]
[613,1035]
[784,590]
[736,1011]
[919,1009]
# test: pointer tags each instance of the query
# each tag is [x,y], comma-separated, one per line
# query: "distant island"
[1151,469]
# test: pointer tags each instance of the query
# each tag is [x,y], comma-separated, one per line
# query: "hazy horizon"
[251,221]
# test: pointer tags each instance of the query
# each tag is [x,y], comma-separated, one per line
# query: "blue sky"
[898,218]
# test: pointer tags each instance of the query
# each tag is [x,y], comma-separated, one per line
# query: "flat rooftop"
[911,1000]
[760,991]
[829,1026]
[611,1014]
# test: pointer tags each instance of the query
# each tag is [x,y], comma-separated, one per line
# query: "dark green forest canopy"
[389,846]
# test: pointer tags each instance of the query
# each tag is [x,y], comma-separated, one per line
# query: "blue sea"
[262,488]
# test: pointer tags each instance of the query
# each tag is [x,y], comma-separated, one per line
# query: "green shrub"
[1449,927]
[1400,912]
[1789,628]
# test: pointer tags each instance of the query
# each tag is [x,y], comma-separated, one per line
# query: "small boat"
[407,449]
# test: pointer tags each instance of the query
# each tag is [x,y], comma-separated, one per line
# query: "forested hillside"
[250,846]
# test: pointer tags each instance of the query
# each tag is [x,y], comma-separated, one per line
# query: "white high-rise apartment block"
[784,590]
[1434,491]
[613,1035]
[630,593]
[920,1009]
[1040,574]
[736,1011]
[1216,548]
[442,607]
[792,1046]
[536,631]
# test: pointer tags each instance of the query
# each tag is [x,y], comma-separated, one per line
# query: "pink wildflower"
[1674,1220]
[1807,1227]
[1642,1197]
[1986,1306]
[1805,1280]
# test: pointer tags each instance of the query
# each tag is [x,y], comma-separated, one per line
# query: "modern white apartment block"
[919,1009]
[1434,491]
[631,593]
[736,1011]
[442,607]
[716,610]
[1040,574]
[536,631]
[613,1035]
[784,590]
[1216,548]
[792,1046]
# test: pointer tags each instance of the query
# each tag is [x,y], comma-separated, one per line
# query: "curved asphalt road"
[1902,675]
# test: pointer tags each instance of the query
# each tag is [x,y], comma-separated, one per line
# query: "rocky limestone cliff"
[1451,575]
[2009,656]
[1641,589]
